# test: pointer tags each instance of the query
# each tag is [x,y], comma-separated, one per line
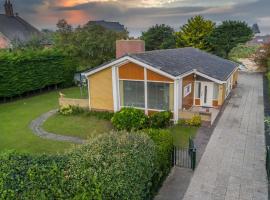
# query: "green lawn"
[181,135]
[77,125]
[15,118]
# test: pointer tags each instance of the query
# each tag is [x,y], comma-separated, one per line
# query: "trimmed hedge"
[163,140]
[24,176]
[29,70]
[116,165]
[122,162]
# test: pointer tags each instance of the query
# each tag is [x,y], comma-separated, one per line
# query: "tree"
[195,33]
[159,37]
[89,45]
[228,35]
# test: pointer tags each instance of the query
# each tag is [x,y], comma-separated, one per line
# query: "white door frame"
[206,98]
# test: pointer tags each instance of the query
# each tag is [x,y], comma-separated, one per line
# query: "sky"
[139,15]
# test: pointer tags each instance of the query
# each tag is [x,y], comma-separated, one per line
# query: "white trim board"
[123,60]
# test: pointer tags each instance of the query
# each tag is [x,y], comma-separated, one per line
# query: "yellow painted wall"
[235,78]
[101,92]
[221,94]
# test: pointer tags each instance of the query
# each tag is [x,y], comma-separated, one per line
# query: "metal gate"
[185,157]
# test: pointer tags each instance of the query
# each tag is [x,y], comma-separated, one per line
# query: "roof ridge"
[160,50]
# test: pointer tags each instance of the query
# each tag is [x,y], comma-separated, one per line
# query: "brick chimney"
[8,8]
[124,47]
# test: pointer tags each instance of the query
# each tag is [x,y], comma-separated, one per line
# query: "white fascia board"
[194,71]
[123,60]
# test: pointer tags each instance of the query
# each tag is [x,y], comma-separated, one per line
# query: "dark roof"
[16,28]
[179,61]
[115,26]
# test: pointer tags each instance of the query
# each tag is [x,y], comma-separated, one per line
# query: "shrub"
[163,140]
[24,176]
[123,164]
[101,115]
[130,119]
[160,119]
[194,121]
[75,110]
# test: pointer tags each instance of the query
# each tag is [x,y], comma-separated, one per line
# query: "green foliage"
[228,35]
[75,110]
[122,162]
[130,119]
[163,140]
[194,121]
[41,177]
[243,51]
[29,70]
[90,45]
[159,37]
[195,33]
[160,119]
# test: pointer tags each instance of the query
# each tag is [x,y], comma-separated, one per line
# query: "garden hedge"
[116,165]
[24,176]
[163,140]
[124,164]
[29,70]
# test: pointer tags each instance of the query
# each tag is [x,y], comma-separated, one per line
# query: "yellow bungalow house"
[186,81]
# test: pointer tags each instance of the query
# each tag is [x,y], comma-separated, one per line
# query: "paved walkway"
[36,127]
[233,165]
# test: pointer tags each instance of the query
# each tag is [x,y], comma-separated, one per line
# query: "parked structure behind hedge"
[25,71]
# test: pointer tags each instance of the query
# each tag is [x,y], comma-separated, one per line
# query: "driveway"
[233,165]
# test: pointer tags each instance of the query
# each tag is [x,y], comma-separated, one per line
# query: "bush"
[160,119]
[30,70]
[123,164]
[75,110]
[163,140]
[194,121]
[24,176]
[130,119]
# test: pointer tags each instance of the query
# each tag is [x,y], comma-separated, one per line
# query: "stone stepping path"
[36,127]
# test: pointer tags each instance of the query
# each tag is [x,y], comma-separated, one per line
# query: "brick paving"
[233,165]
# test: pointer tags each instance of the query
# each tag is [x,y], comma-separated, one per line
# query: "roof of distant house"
[258,40]
[14,27]
[115,26]
[183,60]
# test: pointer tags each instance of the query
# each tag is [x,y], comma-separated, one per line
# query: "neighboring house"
[114,26]
[260,40]
[13,28]
[178,80]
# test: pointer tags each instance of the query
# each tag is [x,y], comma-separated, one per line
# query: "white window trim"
[189,91]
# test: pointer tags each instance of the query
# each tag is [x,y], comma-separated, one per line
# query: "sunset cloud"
[138,15]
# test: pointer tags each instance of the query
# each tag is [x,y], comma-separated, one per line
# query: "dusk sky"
[138,15]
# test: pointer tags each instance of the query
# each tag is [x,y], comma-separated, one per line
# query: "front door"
[206,94]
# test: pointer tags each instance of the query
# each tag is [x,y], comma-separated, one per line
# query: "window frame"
[186,93]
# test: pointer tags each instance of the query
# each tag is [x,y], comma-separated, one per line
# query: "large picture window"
[160,96]
[132,94]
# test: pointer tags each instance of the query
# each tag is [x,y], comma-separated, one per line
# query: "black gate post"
[193,158]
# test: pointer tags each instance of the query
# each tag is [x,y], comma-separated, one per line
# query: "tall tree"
[195,33]
[159,37]
[89,45]
[228,35]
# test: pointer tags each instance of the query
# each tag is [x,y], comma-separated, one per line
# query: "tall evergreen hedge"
[29,70]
